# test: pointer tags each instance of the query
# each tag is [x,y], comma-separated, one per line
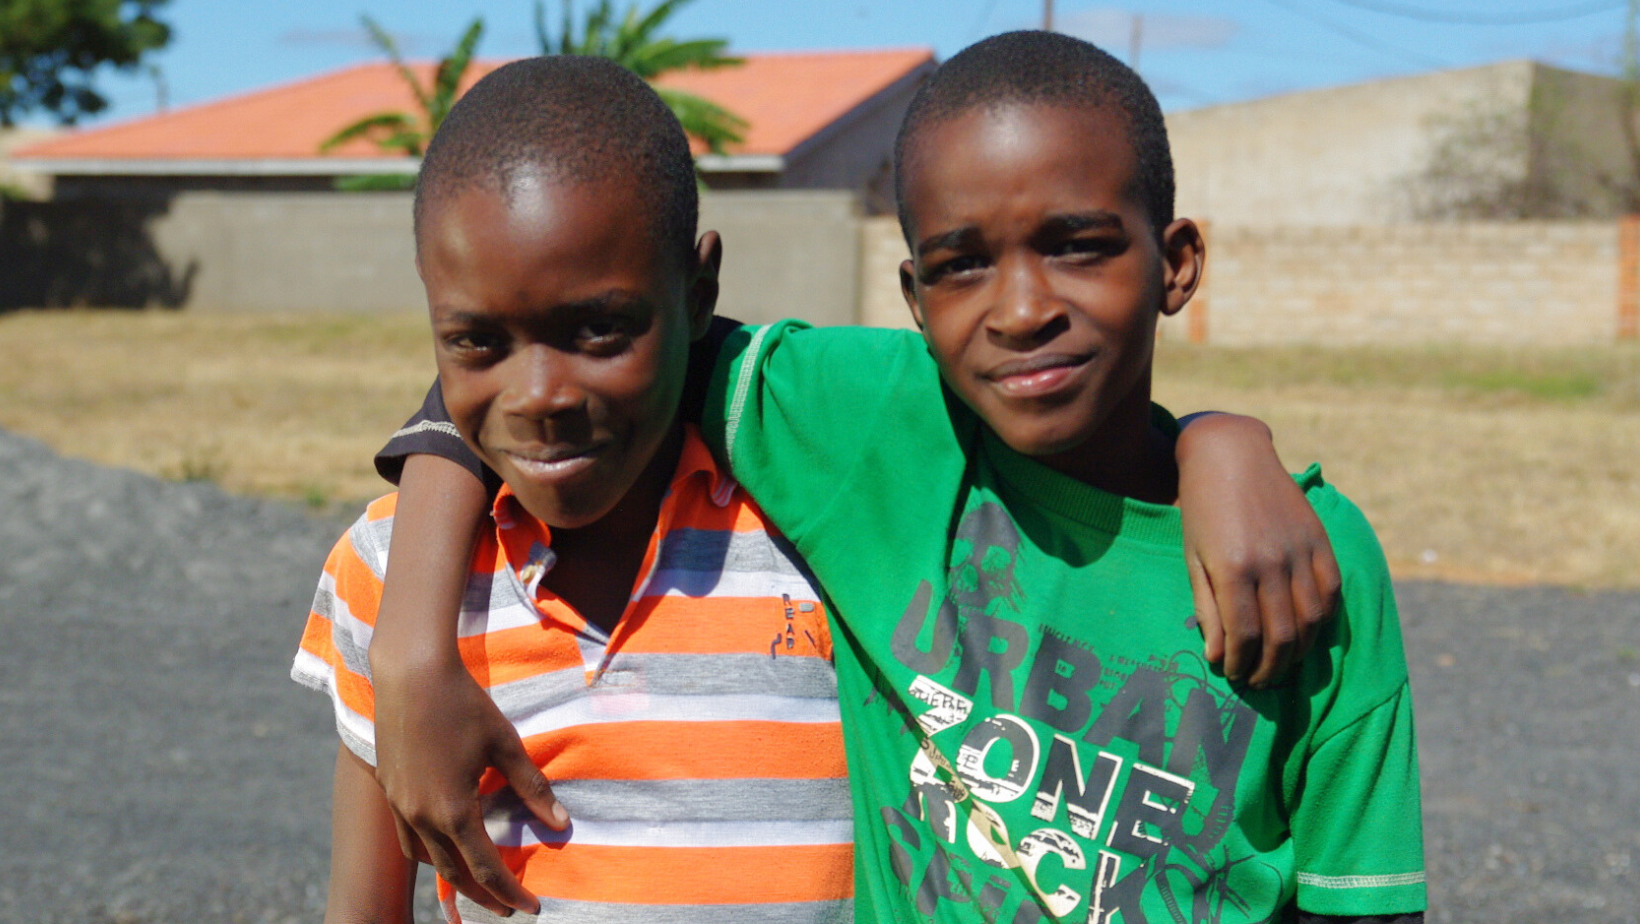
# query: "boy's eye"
[472,344]
[956,266]
[1093,247]
[604,335]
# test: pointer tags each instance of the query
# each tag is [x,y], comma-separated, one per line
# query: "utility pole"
[1047,15]
[1631,43]
[1136,38]
[1631,96]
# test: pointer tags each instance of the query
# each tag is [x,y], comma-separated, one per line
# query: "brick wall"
[882,250]
[1499,283]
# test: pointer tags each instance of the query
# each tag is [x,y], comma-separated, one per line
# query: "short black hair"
[1049,69]
[580,119]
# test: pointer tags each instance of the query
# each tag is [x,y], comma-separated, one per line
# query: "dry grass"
[290,407]
[1475,464]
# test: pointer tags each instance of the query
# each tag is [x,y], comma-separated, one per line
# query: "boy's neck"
[597,565]
[1127,456]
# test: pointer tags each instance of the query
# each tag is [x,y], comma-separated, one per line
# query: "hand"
[1261,568]
[436,733]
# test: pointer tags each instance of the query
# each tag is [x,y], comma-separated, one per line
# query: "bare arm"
[436,728]
[370,880]
[1261,567]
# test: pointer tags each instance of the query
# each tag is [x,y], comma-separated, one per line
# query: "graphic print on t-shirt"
[1055,780]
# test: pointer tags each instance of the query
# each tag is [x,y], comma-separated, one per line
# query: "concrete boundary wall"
[1548,283]
[810,254]
[787,252]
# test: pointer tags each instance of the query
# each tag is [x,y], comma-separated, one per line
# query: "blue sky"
[1194,52]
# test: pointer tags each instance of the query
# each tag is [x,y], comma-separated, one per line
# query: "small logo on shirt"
[786,638]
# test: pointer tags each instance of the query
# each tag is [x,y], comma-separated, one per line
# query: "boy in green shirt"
[1032,730]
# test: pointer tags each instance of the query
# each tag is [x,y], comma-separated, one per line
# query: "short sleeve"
[828,425]
[334,655]
[430,432]
[1358,830]
[1357,824]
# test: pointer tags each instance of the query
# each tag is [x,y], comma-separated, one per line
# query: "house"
[817,120]
[24,183]
[1516,139]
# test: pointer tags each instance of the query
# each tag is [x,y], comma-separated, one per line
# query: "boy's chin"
[1043,440]
[557,515]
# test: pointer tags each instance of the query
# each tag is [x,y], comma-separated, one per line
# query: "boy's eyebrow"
[1084,221]
[603,301]
[958,238]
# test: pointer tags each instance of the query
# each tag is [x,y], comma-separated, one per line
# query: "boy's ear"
[1184,253]
[908,288]
[703,292]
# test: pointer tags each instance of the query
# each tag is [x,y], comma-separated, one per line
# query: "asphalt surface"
[158,765]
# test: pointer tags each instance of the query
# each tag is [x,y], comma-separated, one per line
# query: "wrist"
[1218,431]
[405,655]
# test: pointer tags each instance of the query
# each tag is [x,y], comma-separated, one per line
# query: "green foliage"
[405,132]
[632,41]
[377,182]
[50,50]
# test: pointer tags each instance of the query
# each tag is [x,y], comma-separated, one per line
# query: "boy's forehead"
[968,153]
[521,208]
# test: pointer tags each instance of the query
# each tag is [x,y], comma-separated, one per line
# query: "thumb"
[532,788]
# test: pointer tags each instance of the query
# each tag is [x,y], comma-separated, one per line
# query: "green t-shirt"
[1032,732]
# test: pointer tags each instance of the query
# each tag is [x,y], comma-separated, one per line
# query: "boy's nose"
[542,385]
[1026,311]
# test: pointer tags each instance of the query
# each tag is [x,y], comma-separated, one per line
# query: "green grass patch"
[1606,375]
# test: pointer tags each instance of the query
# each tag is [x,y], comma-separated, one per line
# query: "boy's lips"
[1038,376]
[553,463]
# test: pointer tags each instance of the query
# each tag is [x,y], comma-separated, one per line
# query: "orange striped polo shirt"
[696,747]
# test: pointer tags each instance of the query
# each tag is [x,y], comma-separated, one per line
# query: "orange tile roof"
[786,98]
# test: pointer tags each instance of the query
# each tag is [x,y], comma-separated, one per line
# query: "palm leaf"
[447,80]
[704,119]
[397,122]
[652,21]
[385,42]
[667,55]
[372,182]
[595,40]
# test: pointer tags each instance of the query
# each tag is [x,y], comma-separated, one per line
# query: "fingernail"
[560,815]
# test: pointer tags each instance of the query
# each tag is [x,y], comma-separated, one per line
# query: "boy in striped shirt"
[658,647]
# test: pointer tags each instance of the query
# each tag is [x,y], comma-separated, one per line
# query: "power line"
[1560,14]
[1357,36]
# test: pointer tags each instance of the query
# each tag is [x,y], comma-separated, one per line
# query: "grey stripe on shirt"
[562,911]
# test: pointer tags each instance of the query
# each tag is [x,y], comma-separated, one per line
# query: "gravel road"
[159,766]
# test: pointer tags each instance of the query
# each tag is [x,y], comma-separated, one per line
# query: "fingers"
[465,857]
[1238,606]
[1207,611]
[409,841]
[1310,609]
[532,788]
[1279,621]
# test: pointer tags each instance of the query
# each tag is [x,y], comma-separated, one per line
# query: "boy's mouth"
[1038,376]
[552,463]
